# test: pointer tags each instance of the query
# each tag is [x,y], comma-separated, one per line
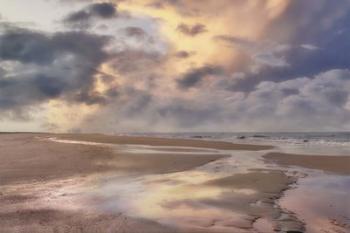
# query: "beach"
[101,183]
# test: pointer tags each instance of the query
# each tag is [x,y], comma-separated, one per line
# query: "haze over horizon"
[174,65]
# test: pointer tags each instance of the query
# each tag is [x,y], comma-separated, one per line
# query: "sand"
[27,157]
[152,141]
[321,197]
[332,164]
[33,167]
[267,186]
[43,185]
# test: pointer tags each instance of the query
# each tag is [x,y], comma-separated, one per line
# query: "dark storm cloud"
[103,10]
[193,30]
[49,66]
[19,92]
[26,47]
[195,76]
[38,48]
[51,87]
[83,17]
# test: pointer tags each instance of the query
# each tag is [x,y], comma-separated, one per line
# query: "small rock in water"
[241,137]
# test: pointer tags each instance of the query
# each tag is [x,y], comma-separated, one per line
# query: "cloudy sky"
[174,65]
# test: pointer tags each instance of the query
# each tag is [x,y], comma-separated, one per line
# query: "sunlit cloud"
[174,65]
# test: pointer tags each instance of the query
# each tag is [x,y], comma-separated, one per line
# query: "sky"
[174,65]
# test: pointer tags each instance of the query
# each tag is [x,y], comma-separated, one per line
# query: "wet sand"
[139,184]
[31,157]
[333,164]
[152,141]
[321,197]
[32,168]
[322,201]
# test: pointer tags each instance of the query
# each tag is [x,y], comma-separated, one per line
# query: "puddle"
[173,200]
[322,201]
[181,199]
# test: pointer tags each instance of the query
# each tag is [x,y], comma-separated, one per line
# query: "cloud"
[26,47]
[309,46]
[144,110]
[128,61]
[262,54]
[296,43]
[183,54]
[103,10]
[293,105]
[317,41]
[82,18]
[135,32]
[299,104]
[193,30]
[267,73]
[195,76]
[253,65]
[38,67]
[161,4]
[269,58]
[239,42]
[72,71]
